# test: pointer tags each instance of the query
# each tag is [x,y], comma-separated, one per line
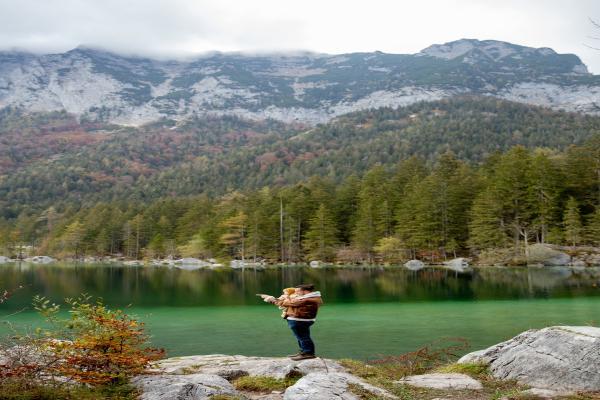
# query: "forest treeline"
[53,160]
[389,214]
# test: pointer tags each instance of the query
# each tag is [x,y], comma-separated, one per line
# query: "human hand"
[268,299]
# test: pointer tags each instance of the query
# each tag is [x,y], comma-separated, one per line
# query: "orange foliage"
[101,346]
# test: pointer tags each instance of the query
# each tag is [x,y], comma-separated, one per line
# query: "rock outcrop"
[443,381]
[546,255]
[553,362]
[230,367]
[183,387]
[334,385]
[200,377]
[414,265]
[559,358]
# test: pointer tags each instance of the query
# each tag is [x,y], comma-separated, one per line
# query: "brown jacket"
[301,307]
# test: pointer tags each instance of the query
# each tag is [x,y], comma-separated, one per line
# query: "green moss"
[263,383]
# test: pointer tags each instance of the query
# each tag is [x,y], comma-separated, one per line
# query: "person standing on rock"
[300,313]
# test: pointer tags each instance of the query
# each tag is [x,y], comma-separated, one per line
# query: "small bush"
[97,345]
[424,359]
[90,355]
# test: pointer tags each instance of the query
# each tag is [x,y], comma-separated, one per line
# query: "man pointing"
[300,312]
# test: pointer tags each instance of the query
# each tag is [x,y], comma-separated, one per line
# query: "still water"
[369,311]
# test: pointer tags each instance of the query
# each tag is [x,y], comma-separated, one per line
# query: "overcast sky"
[174,28]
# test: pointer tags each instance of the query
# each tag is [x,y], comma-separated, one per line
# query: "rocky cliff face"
[305,87]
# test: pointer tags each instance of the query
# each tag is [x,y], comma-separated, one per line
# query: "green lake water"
[368,312]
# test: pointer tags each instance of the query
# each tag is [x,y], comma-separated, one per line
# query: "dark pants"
[301,330]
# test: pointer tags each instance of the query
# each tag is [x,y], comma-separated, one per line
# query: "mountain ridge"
[311,88]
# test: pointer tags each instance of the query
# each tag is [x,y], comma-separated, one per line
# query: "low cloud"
[177,28]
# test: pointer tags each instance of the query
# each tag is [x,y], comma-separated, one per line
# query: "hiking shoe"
[295,355]
[304,356]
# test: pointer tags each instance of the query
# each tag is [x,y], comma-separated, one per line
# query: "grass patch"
[475,370]
[263,384]
[363,393]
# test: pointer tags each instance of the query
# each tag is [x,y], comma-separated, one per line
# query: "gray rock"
[457,264]
[230,367]
[544,254]
[544,393]
[41,259]
[442,381]
[475,357]
[578,263]
[330,386]
[182,387]
[414,265]
[561,358]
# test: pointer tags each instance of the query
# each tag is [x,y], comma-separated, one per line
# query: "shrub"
[96,345]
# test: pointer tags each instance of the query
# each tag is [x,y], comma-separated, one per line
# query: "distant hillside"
[310,88]
[51,159]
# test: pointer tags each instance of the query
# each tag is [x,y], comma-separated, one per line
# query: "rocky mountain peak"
[95,84]
[498,51]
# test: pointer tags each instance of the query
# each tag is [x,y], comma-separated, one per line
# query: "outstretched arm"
[289,302]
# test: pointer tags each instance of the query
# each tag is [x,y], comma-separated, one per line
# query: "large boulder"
[544,254]
[457,264]
[560,358]
[333,385]
[414,265]
[182,387]
[442,381]
[231,367]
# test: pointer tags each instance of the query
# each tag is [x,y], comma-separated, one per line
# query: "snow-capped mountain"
[304,87]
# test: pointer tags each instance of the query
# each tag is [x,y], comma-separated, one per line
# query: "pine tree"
[236,231]
[544,192]
[371,221]
[593,228]
[486,228]
[321,237]
[73,238]
[156,246]
[346,206]
[511,181]
[572,223]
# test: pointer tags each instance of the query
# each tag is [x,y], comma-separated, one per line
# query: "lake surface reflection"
[369,311]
